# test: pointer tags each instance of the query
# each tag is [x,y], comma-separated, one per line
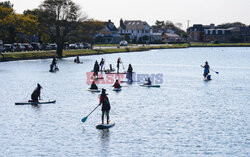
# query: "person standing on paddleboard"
[35,96]
[96,68]
[130,73]
[105,105]
[102,63]
[118,64]
[206,69]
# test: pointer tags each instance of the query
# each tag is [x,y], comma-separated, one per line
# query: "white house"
[135,31]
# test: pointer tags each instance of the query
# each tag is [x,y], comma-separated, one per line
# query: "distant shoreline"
[99,50]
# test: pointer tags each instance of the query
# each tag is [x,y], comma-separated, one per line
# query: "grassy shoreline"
[14,56]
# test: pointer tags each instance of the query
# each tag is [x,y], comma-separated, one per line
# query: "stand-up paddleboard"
[117,89]
[143,85]
[96,78]
[94,90]
[105,126]
[208,78]
[35,103]
[115,73]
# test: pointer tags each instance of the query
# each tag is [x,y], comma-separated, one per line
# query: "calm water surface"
[185,117]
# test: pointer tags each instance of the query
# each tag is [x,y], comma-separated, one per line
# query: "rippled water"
[185,117]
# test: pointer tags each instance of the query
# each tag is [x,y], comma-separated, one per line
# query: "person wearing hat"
[96,68]
[117,85]
[105,105]
[206,69]
[35,96]
[130,73]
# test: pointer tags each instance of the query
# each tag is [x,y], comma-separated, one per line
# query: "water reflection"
[104,140]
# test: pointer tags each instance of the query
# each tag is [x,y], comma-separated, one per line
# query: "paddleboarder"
[77,59]
[105,105]
[96,68]
[35,96]
[118,64]
[117,84]
[102,63]
[53,66]
[93,85]
[206,69]
[129,73]
[148,82]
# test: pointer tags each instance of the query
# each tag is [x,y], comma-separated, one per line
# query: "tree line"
[54,21]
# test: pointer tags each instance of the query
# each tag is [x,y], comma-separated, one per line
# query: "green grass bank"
[104,49]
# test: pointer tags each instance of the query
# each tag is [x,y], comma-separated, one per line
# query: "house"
[135,31]
[108,35]
[211,33]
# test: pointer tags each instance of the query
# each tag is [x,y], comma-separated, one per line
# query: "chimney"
[121,23]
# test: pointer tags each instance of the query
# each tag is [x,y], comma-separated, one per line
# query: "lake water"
[186,116]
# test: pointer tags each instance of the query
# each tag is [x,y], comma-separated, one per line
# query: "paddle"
[123,66]
[211,70]
[85,118]
[214,71]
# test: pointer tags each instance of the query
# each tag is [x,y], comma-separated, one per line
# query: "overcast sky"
[178,11]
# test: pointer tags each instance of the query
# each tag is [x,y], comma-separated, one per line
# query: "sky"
[177,11]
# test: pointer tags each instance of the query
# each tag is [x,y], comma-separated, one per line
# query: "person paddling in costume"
[102,63]
[117,85]
[105,105]
[130,73]
[35,96]
[96,68]
[118,64]
[93,85]
[206,69]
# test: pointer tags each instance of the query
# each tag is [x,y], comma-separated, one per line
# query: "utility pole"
[188,21]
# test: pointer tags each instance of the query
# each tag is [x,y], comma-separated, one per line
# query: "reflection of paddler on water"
[129,75]
[36,95]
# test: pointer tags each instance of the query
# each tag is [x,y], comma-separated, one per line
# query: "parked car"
[28,47]
[53,46]
[8,48]
[123,43]
[87,46]
[72,46]
[19,47]
[36,46]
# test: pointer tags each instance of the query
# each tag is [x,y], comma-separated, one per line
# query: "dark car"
[36,46]
[87,46]
[8,48]
[53,46]
[28,47]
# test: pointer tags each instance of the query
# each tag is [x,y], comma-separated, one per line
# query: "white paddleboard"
[94,90]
